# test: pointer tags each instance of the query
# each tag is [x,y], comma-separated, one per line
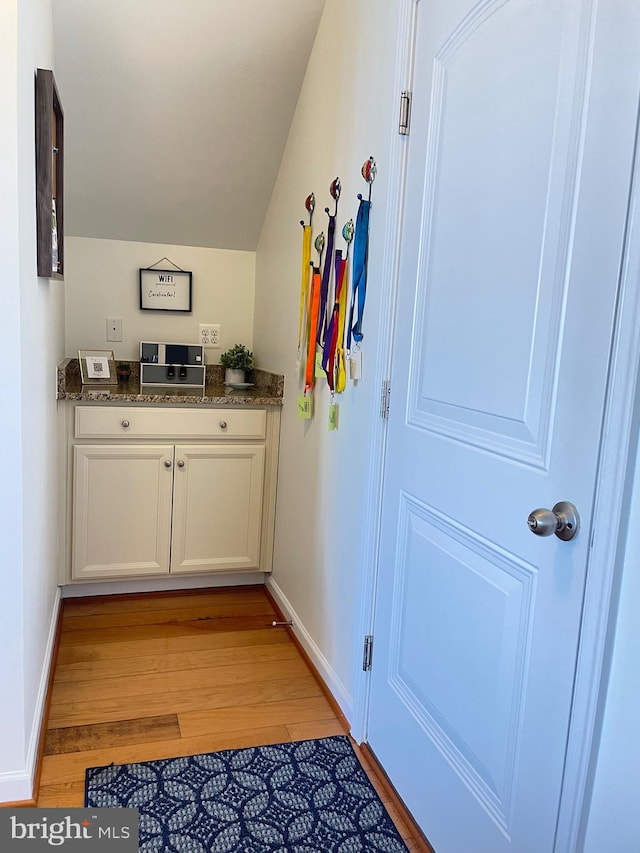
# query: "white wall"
[32,343]
[12,733]
[345,114]
[177,114]
[101,280]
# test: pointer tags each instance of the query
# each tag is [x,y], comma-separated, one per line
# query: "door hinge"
[367,655]
[385,398]
[405,113]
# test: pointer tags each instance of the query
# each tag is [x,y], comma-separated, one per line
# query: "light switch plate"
[114,328]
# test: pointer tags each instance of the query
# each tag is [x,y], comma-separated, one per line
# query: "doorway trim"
[391,228]
[610,515]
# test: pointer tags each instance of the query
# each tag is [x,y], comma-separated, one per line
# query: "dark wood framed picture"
[49,125]
[165,290]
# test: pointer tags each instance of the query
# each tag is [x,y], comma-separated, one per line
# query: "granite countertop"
[268,388]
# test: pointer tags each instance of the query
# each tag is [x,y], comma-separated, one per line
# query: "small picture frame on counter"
[97,367]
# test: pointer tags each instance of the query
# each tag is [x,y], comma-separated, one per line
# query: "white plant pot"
[233,377]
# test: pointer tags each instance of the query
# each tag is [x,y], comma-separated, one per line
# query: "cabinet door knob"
[125,424]
[181,463]
[223,424]
[167,463]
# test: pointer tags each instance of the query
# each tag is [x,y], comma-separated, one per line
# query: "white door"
[519,169]
[217,508]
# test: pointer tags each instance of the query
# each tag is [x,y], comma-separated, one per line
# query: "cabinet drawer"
[125,422]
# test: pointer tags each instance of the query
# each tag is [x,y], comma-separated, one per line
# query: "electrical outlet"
[114,328]
[210,335]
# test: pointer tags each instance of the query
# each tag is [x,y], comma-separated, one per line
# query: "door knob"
[181,463]
[563,520]
[167,463]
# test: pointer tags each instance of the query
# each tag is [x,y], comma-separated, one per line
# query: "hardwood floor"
[140,678]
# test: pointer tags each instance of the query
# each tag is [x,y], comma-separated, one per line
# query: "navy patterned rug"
[310,796]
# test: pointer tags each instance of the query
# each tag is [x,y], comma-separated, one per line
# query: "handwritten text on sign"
[165,291]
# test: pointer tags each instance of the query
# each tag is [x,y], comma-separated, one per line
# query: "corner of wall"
[321,517]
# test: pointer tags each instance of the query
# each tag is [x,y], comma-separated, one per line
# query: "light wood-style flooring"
[140,678]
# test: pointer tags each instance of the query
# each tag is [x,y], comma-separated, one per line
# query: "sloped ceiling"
[177,113]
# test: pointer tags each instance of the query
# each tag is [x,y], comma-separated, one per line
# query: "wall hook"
[347,234]
[319,246]
[369,171]
[310,205]
[335,189]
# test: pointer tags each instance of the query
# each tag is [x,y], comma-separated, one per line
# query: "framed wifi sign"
[165,290]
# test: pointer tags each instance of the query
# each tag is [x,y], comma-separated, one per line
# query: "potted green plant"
[236,362]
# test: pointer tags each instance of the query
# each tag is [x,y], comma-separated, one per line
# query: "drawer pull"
[125,424]
[223,424]
[181,463]
[167,463]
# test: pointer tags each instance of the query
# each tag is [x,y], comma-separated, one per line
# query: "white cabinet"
[121,510]
[143,502]
[217,508]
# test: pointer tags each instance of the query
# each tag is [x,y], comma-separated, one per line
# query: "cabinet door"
[217,508]
[122,510]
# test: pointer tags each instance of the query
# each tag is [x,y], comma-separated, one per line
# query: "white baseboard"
[326,671]
[164,584]
[32,754]
[79,590]
[17,786]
